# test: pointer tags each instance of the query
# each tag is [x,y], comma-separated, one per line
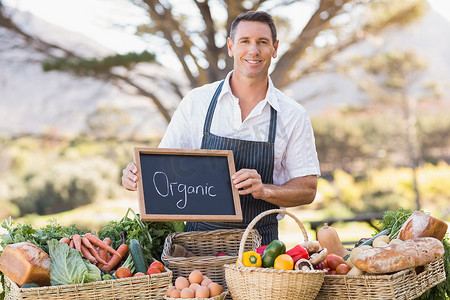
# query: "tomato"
[284,262]
[153,270]
[157,264]
[342,269]
[333,260]
[123,272]
[138,274]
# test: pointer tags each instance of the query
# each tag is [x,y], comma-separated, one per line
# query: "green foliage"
[94,66]
[66,185]
[17,233]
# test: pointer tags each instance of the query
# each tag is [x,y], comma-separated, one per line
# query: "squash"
[328,238]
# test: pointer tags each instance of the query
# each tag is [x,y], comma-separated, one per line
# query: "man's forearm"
[295,192]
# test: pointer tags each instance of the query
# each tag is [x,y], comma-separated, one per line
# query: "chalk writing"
[165,188]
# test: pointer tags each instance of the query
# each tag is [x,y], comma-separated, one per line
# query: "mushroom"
[318,257]
[311,246]
[303,265]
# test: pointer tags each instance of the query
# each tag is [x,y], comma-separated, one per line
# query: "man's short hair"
[255,16]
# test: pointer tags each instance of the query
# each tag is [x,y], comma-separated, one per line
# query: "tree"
[393,78]
[201,49]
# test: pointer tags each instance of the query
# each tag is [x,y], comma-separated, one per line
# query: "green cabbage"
[68,267]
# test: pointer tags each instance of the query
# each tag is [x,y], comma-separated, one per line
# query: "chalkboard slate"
[187,185]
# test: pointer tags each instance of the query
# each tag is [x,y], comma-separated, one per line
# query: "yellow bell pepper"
[251,259]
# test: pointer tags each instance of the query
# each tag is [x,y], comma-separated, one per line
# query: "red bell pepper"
[260,249]
[297,253]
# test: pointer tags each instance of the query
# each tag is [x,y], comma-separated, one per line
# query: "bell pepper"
[275,248]
[260,249]
[297,253]
[251,259]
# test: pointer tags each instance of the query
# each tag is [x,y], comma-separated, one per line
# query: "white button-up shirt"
[295,150]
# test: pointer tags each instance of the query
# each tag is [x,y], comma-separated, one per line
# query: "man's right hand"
[129,177]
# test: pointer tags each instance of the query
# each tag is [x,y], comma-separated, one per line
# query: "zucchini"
[370,241]
[138,256]
[275,248]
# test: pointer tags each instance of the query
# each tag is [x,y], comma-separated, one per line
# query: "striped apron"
[250,155]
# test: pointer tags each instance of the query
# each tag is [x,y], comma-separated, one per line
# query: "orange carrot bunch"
[98,252]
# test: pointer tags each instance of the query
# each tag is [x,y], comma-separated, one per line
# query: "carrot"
[116,258]
[108,242]
[65,240]
[77,241]
[71,244]
[97,257]
[98,242]
[86,254]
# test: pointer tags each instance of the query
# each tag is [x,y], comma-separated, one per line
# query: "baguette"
[393,258]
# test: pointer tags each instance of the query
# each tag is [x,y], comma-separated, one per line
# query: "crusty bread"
[420,224]
[24,263]
[408,254]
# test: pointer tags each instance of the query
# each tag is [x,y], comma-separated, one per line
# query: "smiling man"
[269,133]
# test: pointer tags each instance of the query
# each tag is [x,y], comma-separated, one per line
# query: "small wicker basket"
[205,245]
[141,287]
[404,285]
[267,283]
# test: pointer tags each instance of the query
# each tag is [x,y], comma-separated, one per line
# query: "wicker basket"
[218,297]
[406,284]
[205,245]
[267,283]
[141,287]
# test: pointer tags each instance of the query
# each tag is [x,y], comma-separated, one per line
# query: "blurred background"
[83,82]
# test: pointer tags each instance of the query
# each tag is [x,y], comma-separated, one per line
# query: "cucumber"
[138,256]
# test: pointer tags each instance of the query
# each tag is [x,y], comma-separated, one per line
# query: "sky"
[95,19]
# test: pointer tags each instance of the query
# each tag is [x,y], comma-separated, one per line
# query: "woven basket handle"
[259,217]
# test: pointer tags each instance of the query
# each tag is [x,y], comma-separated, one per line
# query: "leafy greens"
[68,267]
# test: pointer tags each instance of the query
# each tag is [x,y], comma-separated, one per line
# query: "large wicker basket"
[267,283]
[141,287]
[205,245]
[406,284]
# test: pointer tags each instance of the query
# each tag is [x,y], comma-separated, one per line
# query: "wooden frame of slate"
[187,185]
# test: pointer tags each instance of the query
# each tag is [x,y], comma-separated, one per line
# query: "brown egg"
[181,283]
[196,277]
[170,289]
[206,281]
[194,286]
[175,293]
[187,293]
[202,292]
[215,289]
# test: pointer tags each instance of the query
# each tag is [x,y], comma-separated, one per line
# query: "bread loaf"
[408,254]
[25,263]
[420,224]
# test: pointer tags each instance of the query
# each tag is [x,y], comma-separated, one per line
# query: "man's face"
[252,49]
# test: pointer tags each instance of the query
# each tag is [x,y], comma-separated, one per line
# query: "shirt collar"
[271,95]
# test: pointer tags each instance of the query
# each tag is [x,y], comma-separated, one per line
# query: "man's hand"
[248,181]
[129,177]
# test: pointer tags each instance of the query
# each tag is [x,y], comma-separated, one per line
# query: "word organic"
[166,188]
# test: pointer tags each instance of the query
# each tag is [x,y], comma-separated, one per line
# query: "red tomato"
[157,264]
[342,269]
[333,260]
[153,270]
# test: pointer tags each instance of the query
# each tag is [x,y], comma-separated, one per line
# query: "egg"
[194,286]
[206,281]
[187,293]
[215,289]
[202,292]
[170,289]
[181,282]
[175,293]
[196,276]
